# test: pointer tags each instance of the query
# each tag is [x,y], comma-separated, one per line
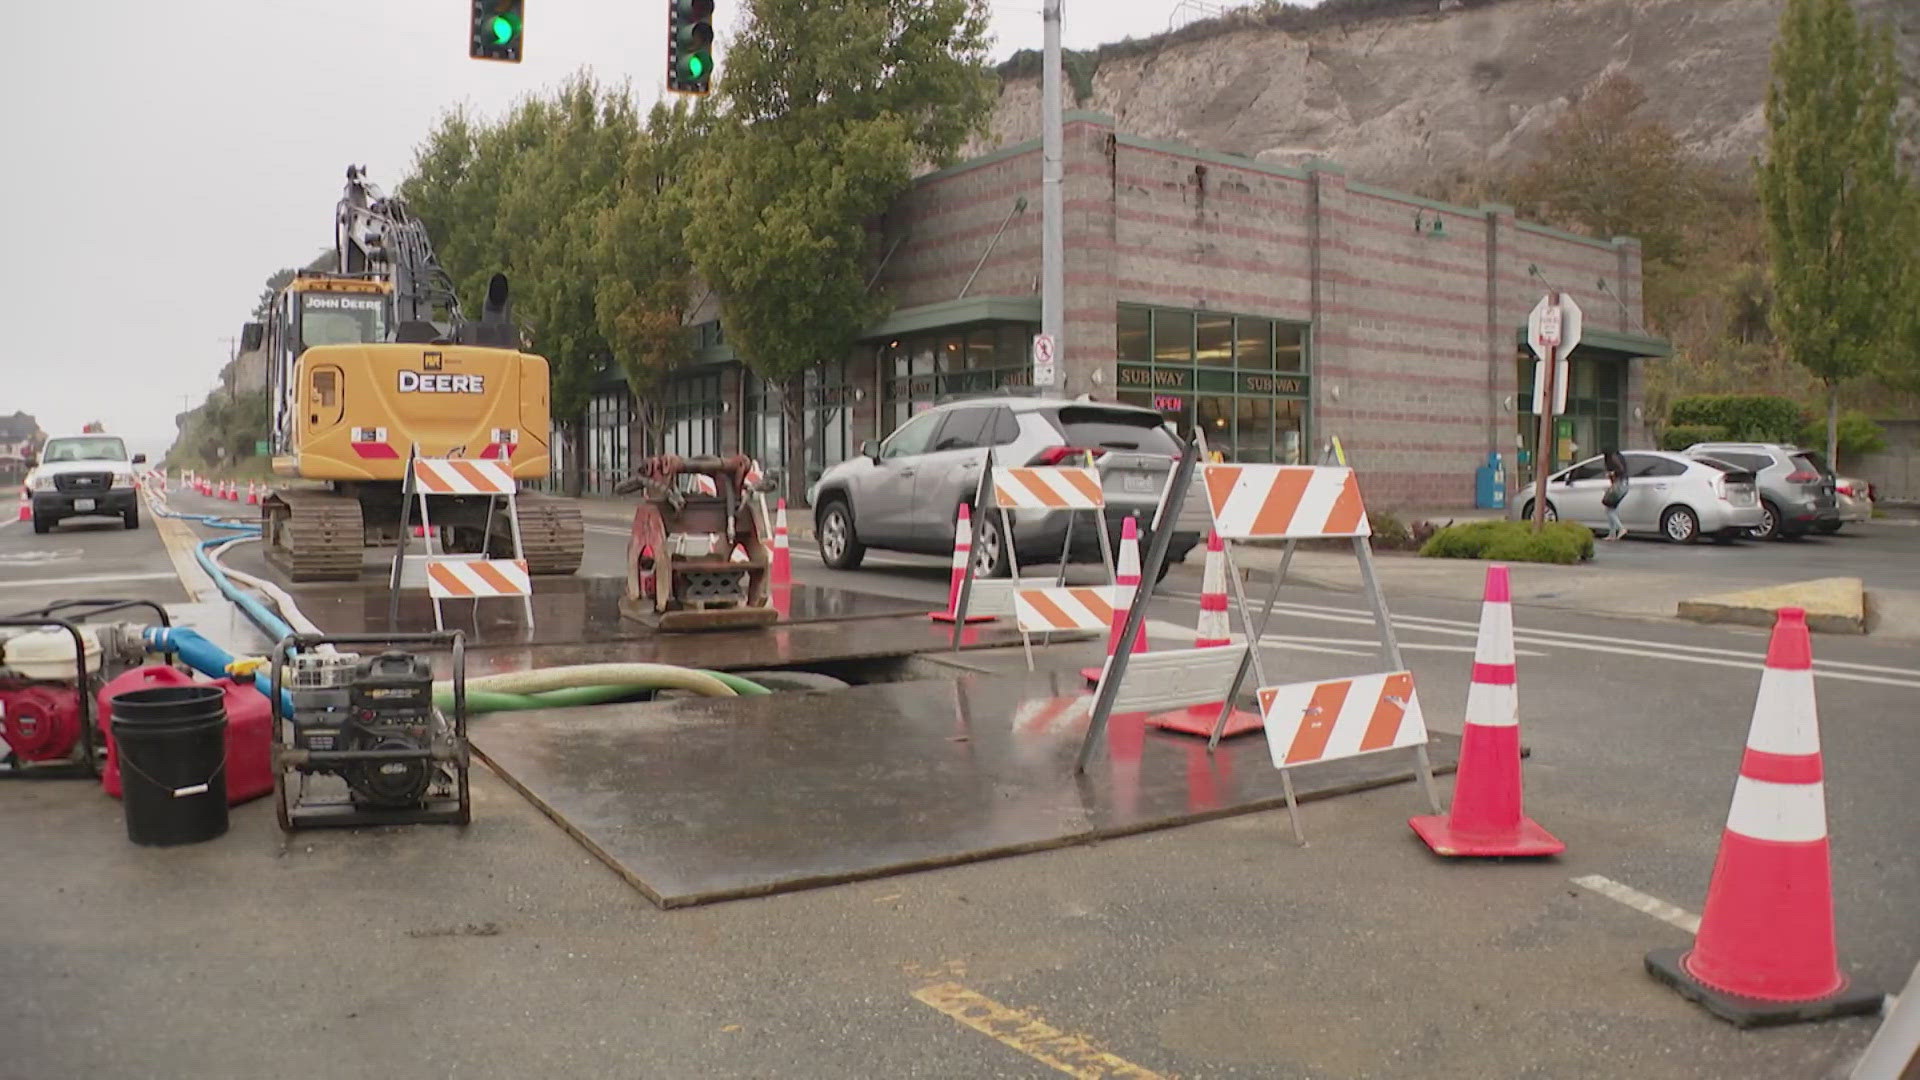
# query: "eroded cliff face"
[1397,101]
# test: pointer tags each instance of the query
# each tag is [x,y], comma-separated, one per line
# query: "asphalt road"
[1219,949]
[1880,553]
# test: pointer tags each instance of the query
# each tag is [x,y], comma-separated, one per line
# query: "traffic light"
[689,46]
[498,26]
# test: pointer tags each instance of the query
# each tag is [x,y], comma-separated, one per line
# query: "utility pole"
[1053,268]
[230,375]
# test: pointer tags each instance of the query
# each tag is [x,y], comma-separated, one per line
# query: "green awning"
[1613,341]
[973,309]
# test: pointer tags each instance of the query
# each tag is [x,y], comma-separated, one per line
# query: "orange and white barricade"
[1005,492]
[445,576]
[1305,723]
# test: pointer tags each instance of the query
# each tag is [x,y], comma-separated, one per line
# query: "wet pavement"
[573,610]
[701,800]
[577,621]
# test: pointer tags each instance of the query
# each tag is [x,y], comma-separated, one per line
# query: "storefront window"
[924,369]
[691,415]
[1591,424]
[1134,341]
[1217,373]
[1213,341]
[1172,337]
[825,415]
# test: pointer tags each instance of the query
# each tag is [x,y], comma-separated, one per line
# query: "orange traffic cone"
[1765,951]
[26,506]
[1215,631]
[1486,817]
[253,494]
[1126,588]
[962,552]
[782,554]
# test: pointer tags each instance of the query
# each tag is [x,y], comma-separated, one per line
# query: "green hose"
[482,699]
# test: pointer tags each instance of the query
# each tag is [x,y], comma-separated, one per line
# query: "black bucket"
[172,745]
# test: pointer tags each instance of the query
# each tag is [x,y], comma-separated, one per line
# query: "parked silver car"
[904,494]
[1678,496]
[1796,486]
[1856,500]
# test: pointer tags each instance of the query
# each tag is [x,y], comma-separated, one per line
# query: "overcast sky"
[162,160]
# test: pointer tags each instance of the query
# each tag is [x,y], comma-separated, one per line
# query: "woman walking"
[1616,493]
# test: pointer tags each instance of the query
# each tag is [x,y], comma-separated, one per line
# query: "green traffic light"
[696,66]
[502,28]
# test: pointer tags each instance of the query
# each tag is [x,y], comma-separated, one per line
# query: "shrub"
[1511,541]
[1681,436]
[1389,532]
[1745,417]
[1858,435]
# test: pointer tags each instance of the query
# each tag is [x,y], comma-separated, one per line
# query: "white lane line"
[1573,638]
[1549,637]
[1641,902]
[1600,644]
[1374,646]
[91,579]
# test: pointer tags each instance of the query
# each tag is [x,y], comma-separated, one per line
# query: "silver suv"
[903,494]
[1796,486]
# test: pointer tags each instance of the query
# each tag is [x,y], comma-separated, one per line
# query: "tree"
[1605,169]
[275,282]
[1838,211]
[830,108]
[645,270]
[523,196]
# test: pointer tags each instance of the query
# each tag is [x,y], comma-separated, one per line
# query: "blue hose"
[270,624]
[207,658]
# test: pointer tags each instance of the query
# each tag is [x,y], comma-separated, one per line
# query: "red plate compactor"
[697,559]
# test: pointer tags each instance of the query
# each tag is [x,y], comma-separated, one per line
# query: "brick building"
[1273,306]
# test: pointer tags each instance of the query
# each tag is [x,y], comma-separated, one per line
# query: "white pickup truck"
[84,476]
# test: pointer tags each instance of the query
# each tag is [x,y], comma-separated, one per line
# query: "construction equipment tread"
[321,539]
[553,535]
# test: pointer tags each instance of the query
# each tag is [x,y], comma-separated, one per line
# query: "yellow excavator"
[371,362]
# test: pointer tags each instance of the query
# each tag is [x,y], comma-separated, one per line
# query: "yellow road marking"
[1027,1033]
[179,542]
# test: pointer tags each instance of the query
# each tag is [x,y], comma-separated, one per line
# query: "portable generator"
[365,744]
[52,664]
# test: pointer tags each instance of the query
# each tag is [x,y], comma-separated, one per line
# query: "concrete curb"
[1833,605]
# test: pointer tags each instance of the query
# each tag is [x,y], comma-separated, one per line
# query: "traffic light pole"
[1053,247]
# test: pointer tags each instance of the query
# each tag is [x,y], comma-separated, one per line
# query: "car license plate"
[1137,484]
[83,505]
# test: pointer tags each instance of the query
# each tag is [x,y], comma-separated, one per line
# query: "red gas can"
[249,730]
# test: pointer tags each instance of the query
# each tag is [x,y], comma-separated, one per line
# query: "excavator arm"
[376,235]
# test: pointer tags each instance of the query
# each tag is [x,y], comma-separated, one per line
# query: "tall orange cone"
[1765,951]
[1486,816]
[1214,631]
[26,506]
[1126,589]
[782,568]
[962,552]
[253,494]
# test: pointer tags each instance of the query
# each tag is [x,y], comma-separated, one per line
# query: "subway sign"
[1203,381]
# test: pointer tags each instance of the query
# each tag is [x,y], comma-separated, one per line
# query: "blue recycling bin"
[1490,484]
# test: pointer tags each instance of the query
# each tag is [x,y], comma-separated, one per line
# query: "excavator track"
[313,535]
[552,533]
